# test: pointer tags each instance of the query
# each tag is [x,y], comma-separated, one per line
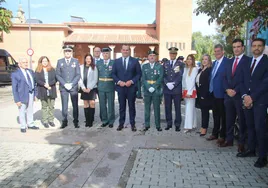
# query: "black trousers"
[205,117]
[219,119]
[176,98]
[64,103]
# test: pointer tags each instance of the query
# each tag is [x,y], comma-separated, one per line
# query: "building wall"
[45,42]
[174,26]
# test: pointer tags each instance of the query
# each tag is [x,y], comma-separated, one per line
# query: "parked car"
[7,66]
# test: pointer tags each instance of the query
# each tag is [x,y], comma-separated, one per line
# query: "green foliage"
[232,14]
[202,45]
[5,18]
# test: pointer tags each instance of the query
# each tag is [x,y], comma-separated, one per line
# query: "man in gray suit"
[68,74]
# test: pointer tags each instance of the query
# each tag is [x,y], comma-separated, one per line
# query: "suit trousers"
[168,109]
[107,99]
[218,110]
[125,95]
[26,112]
[205,117]
[148,100]
[257,128]
[190,113]
[64,103]
[234,109]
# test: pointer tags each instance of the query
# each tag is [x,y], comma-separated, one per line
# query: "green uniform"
[106,92]
[152,77]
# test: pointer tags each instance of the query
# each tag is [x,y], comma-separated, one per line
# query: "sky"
[100,11]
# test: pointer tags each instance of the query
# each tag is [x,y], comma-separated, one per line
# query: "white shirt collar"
[258,58]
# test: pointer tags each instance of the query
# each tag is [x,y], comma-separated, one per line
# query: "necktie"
[212,76]
[152,66]
[252,66]
[235,65]
[29,81]
[125,63]
[67,61]
[171,63]
[105,62]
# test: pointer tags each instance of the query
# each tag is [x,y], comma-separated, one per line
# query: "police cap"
[106,49]
[152,52]
[67,47]
[173,50]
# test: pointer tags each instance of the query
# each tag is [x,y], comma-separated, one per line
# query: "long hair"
[92,64]
[40,66]
[209,60]
[193,63]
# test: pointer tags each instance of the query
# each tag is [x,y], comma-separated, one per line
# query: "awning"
[112,38]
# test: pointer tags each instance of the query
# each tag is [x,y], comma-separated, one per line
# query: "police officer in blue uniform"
[68,74]
[173,71]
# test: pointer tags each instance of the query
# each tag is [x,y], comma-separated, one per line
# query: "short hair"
[258,39]
[218,46]
[238,40]
[22,58]
[125,45]
[96,47]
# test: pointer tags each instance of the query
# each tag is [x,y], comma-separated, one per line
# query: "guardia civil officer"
[106,89]
[173,71]
[152,78]
[68,74]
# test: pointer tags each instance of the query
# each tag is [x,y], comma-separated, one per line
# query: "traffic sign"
[30,52]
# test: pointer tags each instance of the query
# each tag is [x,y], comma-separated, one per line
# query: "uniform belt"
[106,79]
[151,81]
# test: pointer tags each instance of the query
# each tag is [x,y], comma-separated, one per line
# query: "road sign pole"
[30,34]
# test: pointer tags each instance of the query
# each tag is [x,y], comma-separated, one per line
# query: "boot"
[87,115]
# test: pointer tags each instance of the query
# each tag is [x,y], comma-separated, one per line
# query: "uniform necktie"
[67,61]
[29,81]
[105,62]
[125,63]
[152,66]
[252,66]
[171,63]
[235,65]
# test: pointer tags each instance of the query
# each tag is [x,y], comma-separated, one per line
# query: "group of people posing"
[231,88]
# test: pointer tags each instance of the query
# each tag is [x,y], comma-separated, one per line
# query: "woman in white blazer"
[88,88]
[189,93]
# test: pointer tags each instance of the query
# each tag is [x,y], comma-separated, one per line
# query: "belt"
[106,79]
[31,91]
[151,81]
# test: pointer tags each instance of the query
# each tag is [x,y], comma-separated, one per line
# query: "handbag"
[184,93]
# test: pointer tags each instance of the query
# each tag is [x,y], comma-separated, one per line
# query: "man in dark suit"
[24,92]
[232,97]
[254,91]
[126,72]
[68,74]
[217,91]
[173,71]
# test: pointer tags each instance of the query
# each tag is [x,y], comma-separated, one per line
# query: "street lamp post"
[30,34]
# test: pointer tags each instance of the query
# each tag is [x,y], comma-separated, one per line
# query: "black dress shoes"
[46,125]
[76,125]
[247,153]
[168,127]
[63,125]
[33,127]
[23,130]
[104,124]
[51,124]
[111,126]
[178,129]
[133,128]
[261,162]
[159,129]
[146,128]
[120,127]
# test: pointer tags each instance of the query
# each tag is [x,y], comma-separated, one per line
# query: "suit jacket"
[173,74]
[40,80]
[152,74]
[20,87]
[188,82]
[256,84]
[204,97]
[133,72]
[92,78]
[68,73]
[218,89]
[105,72]
[233,81]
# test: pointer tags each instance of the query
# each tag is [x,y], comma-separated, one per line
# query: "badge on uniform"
[110,68]
[154,72]
[177,69]
[61,64]
[73,65]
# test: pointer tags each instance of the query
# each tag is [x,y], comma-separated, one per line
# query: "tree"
[202,45]
[5,19]
[232,14]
